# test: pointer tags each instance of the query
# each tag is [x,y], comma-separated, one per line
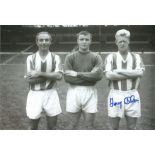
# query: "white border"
[77,12]
[76,142]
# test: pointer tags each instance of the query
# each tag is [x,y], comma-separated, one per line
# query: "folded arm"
[73,80]
[35,80]
[49,76]
[34,77]
[112,75]
[134,73]
[123,74]
[95,75]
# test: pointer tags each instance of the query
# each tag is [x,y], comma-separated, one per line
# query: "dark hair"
[84,33]
[43,32]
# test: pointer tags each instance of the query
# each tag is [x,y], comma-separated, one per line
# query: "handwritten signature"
[112,103]
[127,100]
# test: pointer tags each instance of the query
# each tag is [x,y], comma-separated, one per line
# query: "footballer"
[83,69]
[124,70]
[43,69]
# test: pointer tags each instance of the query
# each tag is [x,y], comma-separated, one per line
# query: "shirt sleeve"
[139,63]
[108,63]
[28,64]
[99,62]
[68,63]
[58,64]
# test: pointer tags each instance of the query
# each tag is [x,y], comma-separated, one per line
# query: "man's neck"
[124,54]
[43,54]
[84,51]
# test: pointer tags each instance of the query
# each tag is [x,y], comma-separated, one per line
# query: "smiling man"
[123,70]
[83,69]
[43,70]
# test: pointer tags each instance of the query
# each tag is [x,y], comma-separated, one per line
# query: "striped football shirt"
[115,61]
[51,63]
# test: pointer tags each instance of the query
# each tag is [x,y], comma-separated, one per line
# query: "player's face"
[44,42]
[122,43]
[84,42]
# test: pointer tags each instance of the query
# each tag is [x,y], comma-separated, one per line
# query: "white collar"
[43,60]
[128,55]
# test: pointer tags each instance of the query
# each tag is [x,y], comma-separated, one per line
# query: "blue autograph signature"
[130,99]
[127,100]
[112,103]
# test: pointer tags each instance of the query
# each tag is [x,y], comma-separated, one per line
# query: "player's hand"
[33,74]
[27,76]
[71,73]
[94,69]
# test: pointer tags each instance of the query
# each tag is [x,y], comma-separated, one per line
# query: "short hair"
[43,32]
[122,32]
[85,33]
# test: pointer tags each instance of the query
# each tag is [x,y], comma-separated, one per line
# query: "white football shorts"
[124,103]
[44,100]
[81,98]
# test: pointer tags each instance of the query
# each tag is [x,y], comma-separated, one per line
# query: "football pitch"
[13,94]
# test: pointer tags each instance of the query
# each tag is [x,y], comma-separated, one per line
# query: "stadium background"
[18,41]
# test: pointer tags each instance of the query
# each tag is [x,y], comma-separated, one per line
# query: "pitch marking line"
[13,57]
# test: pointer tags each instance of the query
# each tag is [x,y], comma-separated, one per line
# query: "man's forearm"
[73,80]
[36,80]
[53,75]
[91,76]
[131,73]
[115,76]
